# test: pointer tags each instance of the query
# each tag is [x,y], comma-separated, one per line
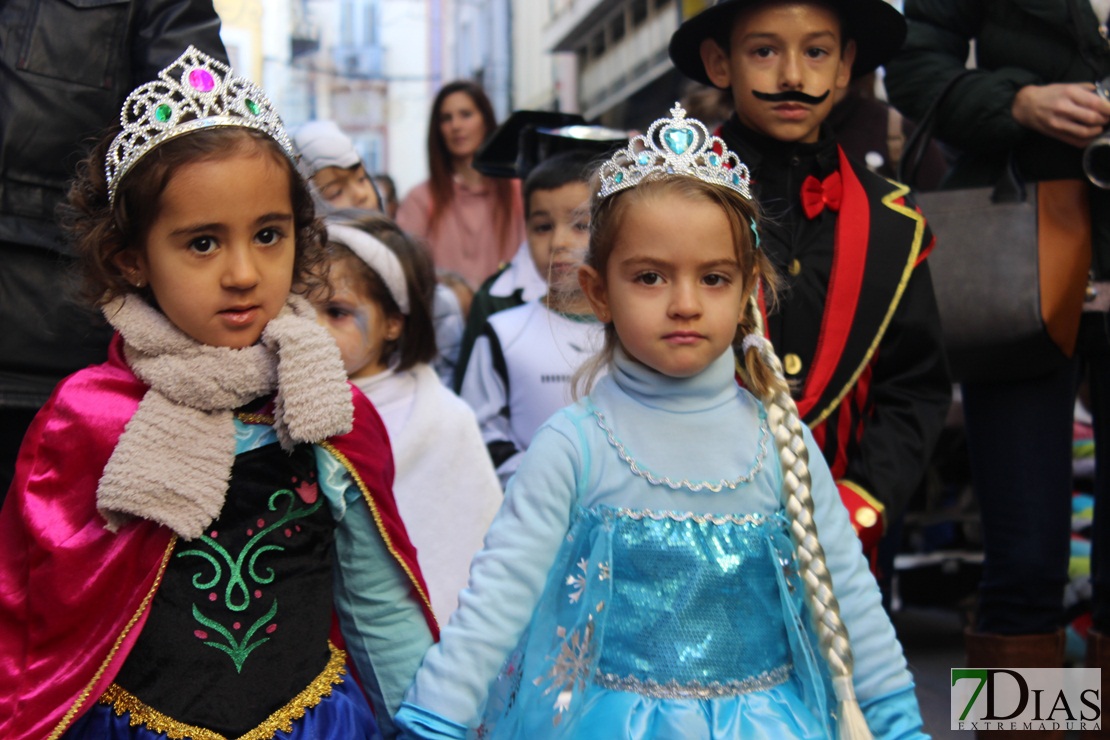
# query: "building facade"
[374,66]
[622,76]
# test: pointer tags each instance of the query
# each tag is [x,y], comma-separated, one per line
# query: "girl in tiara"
[380,313]
[198,525]
[656,570]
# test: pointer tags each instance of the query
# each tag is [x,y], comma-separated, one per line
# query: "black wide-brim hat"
[877,28]
[527,137]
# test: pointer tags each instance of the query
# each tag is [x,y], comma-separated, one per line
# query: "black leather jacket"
[66,67]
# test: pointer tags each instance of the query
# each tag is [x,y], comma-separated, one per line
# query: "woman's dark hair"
[100,232]
[441,166]
[417,342]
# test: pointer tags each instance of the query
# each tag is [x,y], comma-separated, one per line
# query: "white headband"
[378,257]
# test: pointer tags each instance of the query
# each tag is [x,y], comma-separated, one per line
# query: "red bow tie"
[817,194]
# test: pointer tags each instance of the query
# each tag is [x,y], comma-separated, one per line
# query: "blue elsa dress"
[640,581]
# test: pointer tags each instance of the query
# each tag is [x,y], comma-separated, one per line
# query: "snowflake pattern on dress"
[572,666]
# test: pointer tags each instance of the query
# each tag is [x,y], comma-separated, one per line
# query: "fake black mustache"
[791,96]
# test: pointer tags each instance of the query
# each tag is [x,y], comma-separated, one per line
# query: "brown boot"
[1098,656]
[1015,651]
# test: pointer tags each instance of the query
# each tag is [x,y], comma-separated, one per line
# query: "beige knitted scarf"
[173,462]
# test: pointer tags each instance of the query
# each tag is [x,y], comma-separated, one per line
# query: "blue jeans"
[1020,443]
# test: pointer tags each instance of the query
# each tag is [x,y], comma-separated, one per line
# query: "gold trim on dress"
[120,700]
[68,717]
[248,418]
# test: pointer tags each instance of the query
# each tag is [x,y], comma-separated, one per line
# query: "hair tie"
[755,233]
[754,340]
[377,256]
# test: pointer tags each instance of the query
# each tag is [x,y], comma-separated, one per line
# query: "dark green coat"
[1016,43]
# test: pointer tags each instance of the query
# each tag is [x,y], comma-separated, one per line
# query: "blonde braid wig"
[786,427]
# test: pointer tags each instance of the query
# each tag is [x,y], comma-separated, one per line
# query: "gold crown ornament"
[675,145]
[194,92]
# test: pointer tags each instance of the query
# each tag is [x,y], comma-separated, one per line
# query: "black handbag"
[1009,268]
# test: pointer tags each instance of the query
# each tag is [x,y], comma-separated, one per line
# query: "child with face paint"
[857,324]
[379,313]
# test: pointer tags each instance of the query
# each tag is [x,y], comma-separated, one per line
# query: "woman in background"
[470,222]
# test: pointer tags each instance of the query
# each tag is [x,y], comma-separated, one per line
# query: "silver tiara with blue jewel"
[675,145]
[193,93]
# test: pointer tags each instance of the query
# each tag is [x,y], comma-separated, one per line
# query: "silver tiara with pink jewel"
[675,145]
[194,92]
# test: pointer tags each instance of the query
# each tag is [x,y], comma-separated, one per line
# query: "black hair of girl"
[417,343]
[99,232]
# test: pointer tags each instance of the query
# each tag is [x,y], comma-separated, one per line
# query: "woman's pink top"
[465,240]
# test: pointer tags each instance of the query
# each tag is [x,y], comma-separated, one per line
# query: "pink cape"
[74,596]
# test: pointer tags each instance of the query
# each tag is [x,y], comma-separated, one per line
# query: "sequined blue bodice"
[646,612]
[695,606]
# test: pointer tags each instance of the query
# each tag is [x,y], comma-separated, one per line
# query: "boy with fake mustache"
[857,324]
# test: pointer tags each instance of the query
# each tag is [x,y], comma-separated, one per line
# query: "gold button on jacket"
[792,364]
